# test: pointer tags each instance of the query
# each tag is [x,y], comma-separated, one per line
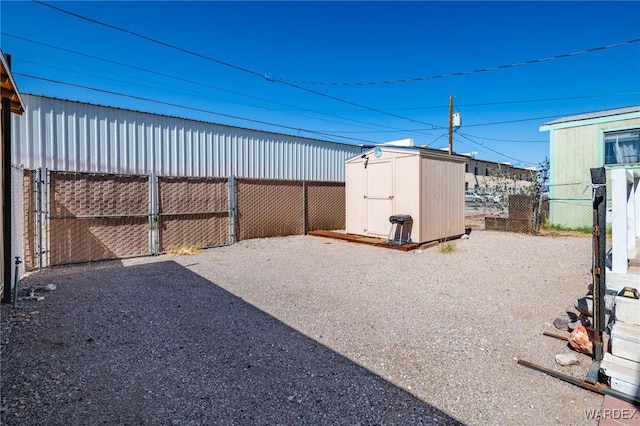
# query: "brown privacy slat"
[29,185]
[269,208]
[95,194]
[325,206]
[74,240]
[181,194]
[192,212]
[187,195]
[87,194]
[200,230]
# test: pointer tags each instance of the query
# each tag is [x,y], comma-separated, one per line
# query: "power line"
[501,140]
[297,129]
[171,46]
[433,126]
[523,101]
[110,92]
[513,121]
[200,95]
[458,74]
[493,150]
[395,129]
[227,64]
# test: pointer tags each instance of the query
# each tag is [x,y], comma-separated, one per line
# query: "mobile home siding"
[574,151]
[79,137]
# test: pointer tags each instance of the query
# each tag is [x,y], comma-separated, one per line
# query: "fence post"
[598,179]
[154,219]
[232,209]
[304,207]
[39,216]
[619,188]
[6,198]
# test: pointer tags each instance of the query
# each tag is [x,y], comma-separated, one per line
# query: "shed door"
[379,197]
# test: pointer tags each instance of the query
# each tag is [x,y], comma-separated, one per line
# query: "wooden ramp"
[378,242]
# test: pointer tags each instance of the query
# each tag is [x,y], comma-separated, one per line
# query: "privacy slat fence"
[193,212]
[75,217]
[97,216]
[269,208]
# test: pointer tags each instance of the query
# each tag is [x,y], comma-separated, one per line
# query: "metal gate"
[192,212]
[96,216]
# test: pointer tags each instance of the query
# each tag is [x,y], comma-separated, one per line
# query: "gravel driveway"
[302,330]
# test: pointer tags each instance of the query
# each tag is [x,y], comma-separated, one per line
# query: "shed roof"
[430,152]
[593,115]
[9,87]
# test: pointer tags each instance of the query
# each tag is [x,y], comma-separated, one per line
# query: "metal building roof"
[597,114]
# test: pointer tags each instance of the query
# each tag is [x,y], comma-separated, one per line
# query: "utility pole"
[450,124]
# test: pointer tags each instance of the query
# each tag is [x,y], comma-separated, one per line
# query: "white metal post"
[631,214]
[636,201]
[619,221]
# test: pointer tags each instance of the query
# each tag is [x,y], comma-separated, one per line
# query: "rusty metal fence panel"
[97,216]
[325,206]
[269,208]
[192,212]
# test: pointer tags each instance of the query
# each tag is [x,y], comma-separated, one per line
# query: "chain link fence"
[268,208]
[75,217]
[97,216]
[192,212]
[571,206]
[565,207]
[17,224]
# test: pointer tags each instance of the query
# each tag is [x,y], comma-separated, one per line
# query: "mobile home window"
[622,147]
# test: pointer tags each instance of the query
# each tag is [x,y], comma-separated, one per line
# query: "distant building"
[481,175]
[577,143]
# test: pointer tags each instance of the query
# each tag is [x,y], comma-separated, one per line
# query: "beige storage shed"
[424,183]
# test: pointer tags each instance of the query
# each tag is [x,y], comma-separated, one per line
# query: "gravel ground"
[302,330]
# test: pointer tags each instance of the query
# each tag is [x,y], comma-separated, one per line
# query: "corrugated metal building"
[73,136]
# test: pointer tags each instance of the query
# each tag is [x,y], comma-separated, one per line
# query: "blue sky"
[258,65]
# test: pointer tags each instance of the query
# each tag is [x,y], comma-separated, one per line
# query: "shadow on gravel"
[158,344]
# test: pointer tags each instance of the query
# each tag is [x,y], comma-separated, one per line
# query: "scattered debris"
[581,320]
[581,339]
[184,250]
[567,359]
[584,305]
[32,292]
[561,324]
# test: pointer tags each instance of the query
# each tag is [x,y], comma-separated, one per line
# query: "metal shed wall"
[73,136]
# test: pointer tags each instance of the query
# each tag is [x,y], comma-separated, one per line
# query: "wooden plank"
[377,242]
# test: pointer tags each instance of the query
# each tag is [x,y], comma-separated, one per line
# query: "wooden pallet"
[378,242]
